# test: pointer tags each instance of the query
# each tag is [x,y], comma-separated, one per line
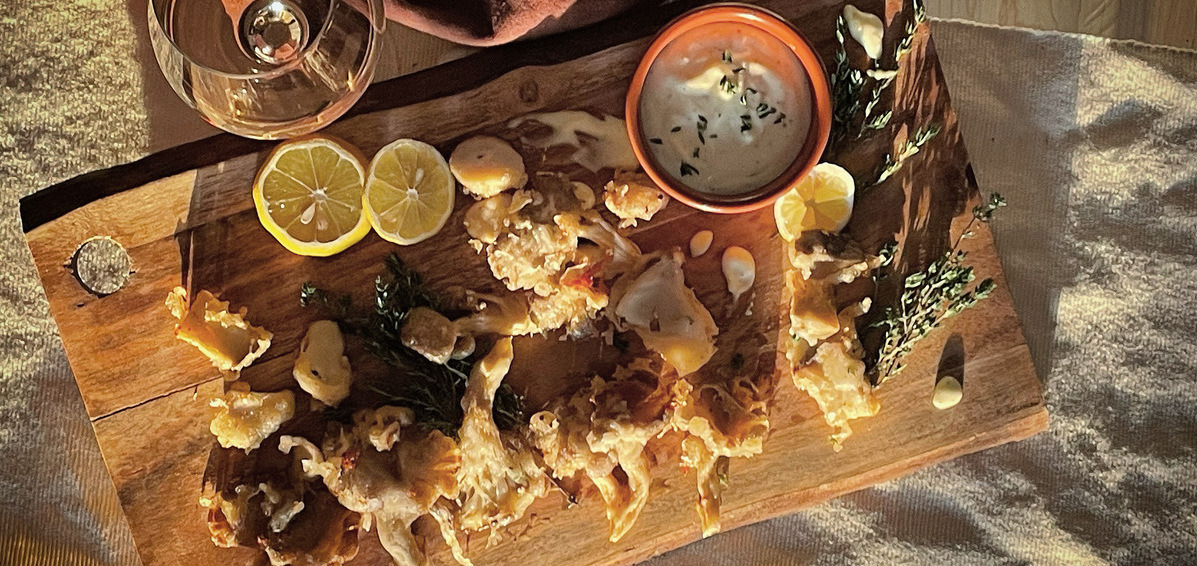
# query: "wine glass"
[267,69]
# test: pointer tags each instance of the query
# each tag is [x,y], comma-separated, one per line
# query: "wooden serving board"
[186,217]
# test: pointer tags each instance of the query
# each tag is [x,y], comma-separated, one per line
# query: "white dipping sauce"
[726,108]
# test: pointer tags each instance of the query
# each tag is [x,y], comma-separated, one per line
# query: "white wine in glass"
[267,69]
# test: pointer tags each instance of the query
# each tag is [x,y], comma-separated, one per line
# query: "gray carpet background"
[1093,142]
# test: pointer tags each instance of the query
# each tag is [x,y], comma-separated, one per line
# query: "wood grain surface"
[193,224]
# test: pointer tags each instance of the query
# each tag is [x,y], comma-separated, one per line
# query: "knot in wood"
[529,92]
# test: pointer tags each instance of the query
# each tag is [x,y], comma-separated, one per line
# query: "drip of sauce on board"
[739,269]
[602,143]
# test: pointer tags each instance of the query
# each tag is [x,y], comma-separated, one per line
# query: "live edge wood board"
[186,217]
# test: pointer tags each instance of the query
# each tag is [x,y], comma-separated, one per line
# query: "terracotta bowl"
[771,24]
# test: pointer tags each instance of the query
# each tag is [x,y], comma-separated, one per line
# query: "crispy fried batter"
[387,471]
[633,197]
[722,418]
[225,337]
[245,418]
[601,431]
[499,477]
[549,242]
[666,314]
[823,349]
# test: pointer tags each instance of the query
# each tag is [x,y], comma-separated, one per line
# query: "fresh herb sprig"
[848,83]
[929,297]
[433,391]
[885,77]
[908,148]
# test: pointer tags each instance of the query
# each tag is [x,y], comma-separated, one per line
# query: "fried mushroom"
[245,418]
[321,368]
[225,337]
[601,431]
[499,477]
[633,198]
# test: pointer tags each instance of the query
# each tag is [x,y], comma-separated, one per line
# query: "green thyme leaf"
[928,298]
[433,391]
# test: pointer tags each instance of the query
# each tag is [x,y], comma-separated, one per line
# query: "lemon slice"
[822,200]
[409,192]
[309,196]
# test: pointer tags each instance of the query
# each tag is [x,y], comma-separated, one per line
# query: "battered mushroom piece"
[225,337]
[578,298]
[294,523]
[235,517]
[244,418]
[812,309]
[601,432]
[548,241]
[505,315]
[389,472]
[532,258]
[486,166]
[430,333]
[823,349]
[667,315]
[632,198]
[723,419]
[321,367]
[834,258]
[487,220]
[321,533]
[833,373]
[499,477]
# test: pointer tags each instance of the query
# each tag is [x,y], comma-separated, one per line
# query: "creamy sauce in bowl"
[726,109]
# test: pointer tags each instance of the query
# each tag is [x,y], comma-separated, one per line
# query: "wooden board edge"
[1032,422]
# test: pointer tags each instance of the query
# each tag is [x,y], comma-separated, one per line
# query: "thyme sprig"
[848,83]
[885,77]
[929,297]
[908,148]
[433,391]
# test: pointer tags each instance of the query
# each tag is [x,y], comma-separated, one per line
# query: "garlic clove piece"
[866,29]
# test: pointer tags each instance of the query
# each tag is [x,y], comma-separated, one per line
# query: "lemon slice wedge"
[822,200]
[409,192]
[308,195]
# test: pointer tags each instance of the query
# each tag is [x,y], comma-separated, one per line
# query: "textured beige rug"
[1093,142]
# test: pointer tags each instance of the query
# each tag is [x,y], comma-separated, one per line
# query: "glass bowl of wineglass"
[267,69]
